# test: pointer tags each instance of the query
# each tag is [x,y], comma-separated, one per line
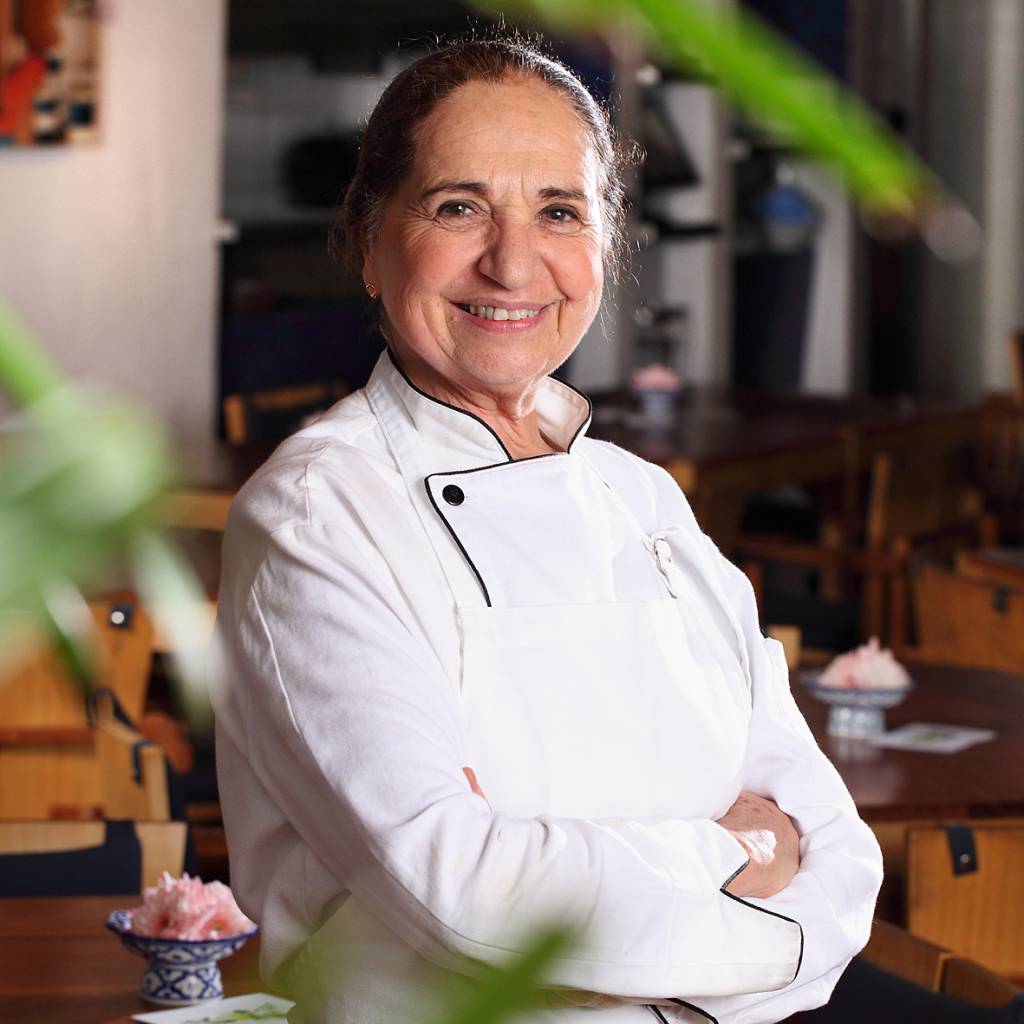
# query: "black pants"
[867,995]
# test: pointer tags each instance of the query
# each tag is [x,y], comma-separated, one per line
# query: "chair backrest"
[978,913]
[65,858]
[39,691]
[1015,343]
[964,621]
[197,509]
[964,979]
[48,762]
[1001,568]
[272,415]
[1004,460]
[791,639]
[133,769]
[924,478]
[907,956]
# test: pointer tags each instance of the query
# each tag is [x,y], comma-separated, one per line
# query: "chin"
[505,368]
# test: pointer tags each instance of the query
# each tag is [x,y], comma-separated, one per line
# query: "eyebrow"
[480,189]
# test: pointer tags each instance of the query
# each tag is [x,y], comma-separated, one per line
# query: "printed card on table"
[932,738]
[255,1006]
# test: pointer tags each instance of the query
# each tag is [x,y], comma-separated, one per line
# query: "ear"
[370,275]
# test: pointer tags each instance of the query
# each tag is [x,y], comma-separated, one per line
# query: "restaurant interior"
[839,396]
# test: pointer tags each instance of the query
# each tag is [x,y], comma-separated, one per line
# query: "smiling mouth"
[498,312]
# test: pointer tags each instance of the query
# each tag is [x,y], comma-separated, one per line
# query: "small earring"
[371,290]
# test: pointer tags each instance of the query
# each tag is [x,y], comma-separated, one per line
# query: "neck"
[511,415]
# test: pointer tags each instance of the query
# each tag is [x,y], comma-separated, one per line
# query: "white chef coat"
[399,600]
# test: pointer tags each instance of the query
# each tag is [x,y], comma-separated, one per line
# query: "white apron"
[571,674]
[394,608]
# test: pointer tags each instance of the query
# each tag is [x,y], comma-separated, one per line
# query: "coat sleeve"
[833,894]
[351,725]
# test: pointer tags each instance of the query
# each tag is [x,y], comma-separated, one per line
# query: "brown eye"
[562,216]
[456,209]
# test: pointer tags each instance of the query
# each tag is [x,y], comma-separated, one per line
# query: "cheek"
[424,263]
[581,273]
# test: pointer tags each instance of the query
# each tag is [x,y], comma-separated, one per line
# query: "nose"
[509,257]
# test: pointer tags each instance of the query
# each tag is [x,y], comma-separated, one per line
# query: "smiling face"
[489,257]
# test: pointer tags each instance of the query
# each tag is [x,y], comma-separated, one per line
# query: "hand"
[473,784]
[771,840]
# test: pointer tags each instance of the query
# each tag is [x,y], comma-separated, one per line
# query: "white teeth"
[500,313]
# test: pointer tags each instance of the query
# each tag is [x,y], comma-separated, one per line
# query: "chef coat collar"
[563,412]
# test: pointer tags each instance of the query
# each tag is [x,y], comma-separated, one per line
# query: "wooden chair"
[909,487]
[965,621]
[1015,344]
[196,509]
[133,769]
[964,979]
[272,415]
[979,914]
[48,762]
[909,957]
[162,842]
[937,969]
[924,494]
[791,640]
[1002,567]
[1004,463]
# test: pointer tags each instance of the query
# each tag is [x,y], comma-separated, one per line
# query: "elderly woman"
[481,672]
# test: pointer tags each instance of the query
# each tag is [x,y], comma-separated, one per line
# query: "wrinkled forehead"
[519,128]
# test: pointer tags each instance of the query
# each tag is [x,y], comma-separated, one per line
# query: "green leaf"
[495,994]
[771,81]
[169,588]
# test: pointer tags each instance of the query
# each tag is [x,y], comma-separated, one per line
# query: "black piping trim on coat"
[451,529]
[696,1009]
[586,419]
[743,867]
[799,961]
[465,412]
[455,537]
[782,917]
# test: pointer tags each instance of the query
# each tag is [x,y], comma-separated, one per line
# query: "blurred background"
[844,409]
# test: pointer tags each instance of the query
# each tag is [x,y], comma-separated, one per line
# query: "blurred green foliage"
[81,477]
[81,482]
[767,78]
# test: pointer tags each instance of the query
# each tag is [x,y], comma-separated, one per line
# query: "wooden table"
[895,789]
[984,781]
[60,965]
[725,445]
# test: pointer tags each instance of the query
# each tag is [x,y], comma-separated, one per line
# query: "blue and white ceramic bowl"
[855,714]
[181,971]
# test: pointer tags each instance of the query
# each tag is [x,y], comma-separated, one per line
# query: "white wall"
[272,102]
[1003,254]
[828,352]
[958,120]
[108,251]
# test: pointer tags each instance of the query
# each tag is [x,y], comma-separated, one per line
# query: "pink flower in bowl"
[869,667]
[188,908]
[183,928]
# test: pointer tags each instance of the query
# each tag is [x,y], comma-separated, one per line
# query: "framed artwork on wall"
[49,67]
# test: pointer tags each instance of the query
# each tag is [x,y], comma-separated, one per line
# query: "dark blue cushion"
[113,869]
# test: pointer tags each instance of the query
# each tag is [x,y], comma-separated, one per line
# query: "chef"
[480,672]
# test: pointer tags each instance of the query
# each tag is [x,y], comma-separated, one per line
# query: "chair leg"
[754,572]
[832,540]
[872,603]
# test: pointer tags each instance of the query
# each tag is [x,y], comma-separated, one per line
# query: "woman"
[481,671]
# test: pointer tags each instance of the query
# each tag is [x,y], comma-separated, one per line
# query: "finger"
[473,784]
